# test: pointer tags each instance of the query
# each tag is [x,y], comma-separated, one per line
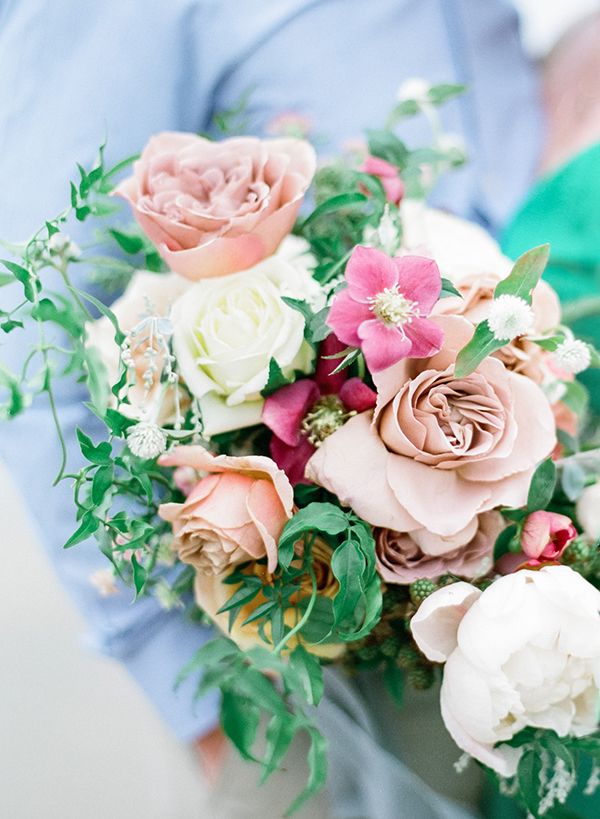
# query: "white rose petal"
[588,511]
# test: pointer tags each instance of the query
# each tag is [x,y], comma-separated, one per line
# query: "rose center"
[393,308]
[326,416]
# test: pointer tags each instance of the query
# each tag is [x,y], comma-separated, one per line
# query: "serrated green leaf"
[240,717]
[316,517]
[525,275]
[541,489]
[317,769]
[309,671]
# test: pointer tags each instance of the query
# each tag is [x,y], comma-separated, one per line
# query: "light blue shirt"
[73,72]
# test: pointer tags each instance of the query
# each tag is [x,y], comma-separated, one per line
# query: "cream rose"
[439,450]
[215,208]
[227,330]
[147,293]
[588,511]
[525,652]
[211,594]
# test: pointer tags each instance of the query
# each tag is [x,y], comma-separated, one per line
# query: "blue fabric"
[72,72]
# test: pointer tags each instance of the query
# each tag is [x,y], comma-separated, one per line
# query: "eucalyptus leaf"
[541,489]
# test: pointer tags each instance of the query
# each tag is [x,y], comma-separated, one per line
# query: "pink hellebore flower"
[383,310]
[301,415]
[545,536]
[388,176]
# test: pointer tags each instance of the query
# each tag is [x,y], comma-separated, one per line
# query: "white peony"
[588,511]
[228,329]
[525,652]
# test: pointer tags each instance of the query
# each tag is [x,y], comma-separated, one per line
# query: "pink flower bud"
[546,535]
[388,175]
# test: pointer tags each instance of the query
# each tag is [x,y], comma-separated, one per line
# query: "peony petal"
[426,337]
[284,410]
[345,317]
[382,346]
[355,395]
[419,280]
[351,463]
[435,625]
[369,272]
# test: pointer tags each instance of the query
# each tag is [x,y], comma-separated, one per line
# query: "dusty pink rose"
[545,536]
[439,450]
[236,513]
[384,308]
[304,413]
[388,176]
[403,557]
[214,208]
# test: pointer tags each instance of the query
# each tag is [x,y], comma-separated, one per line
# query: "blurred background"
[63,734]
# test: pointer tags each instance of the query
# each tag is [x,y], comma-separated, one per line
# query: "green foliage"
[543,483]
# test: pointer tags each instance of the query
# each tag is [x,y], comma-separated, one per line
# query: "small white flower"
[146,440]
[509,317]
[415,88]
[386,236]
[59,244]
[573,355]
[103,580]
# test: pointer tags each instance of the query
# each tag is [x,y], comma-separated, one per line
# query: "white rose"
[525,652]
[588,511]
[228,329]
[460,248]
[147,293]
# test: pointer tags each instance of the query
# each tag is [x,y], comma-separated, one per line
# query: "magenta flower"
[388,176]
[383,310]
[301,415]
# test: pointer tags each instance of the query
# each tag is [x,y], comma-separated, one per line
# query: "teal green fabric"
[564,209]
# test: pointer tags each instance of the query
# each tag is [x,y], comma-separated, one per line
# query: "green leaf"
[89,524]
[11,324]
[276,379]
[338,202]
[260,612]
[321,620]
[117,423]
[576,397]
[309,671]
[279,735]
[30,282]
[503,541]
[129,242]
[316,517]
[140,576]
[448,289]
[394,682]
[528,778]
[525,275]
[557,747]
[572,479]
[16,400]
[482,344]
[240,717]
[46,310]
[541,489]
[386,145]
[239,598]
[406,108]
[105,311]
[100,454]
[318,329]
[439,94]
[348,566]
[258,688]
[96,379]
[211,653]
[588,745]
[317,769]
[102,482]
[6,278]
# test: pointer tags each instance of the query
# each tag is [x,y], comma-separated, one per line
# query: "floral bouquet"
[350,437]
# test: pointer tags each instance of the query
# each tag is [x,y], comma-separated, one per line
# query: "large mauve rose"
[404,557]
[235,513]
[439,450]
[525,652]
[214,208]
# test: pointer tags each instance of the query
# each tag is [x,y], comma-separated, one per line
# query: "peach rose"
[214,208]
[211,594]
[236,513]
[403,557]
[146,293]
[439,450]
